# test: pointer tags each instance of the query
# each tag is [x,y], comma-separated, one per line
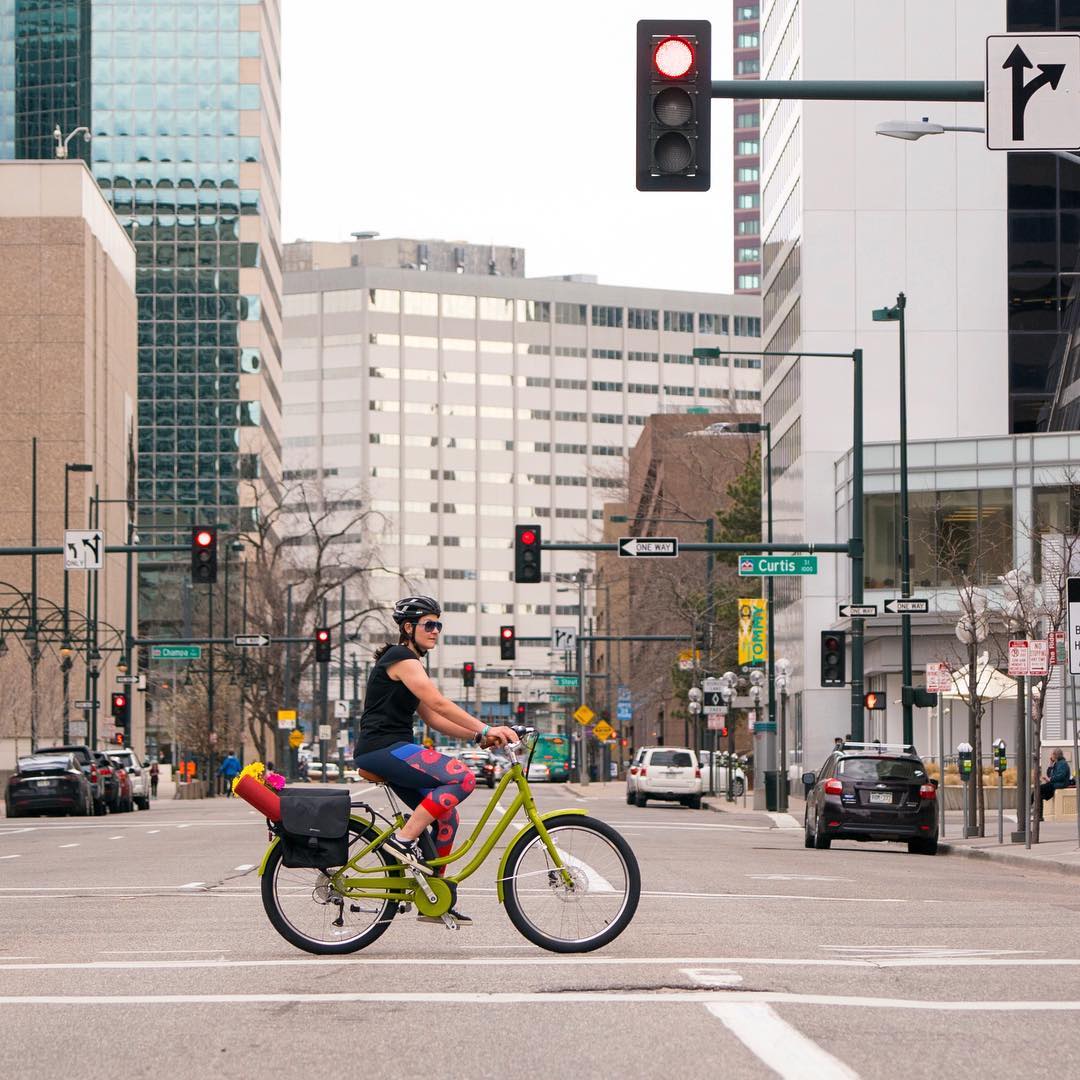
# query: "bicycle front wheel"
[308,912]
[584,905]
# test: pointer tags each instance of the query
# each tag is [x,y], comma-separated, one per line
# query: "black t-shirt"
[389,705]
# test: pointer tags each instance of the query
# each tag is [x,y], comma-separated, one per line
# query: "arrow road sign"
[651,547]
[127,679]
[84,704]
[1028,111]
[83,549]
[857,611]
[257,641]
[912,606]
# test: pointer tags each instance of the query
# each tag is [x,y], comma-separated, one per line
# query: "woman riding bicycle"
[429,782]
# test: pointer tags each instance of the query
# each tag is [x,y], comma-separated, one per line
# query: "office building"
[68,368]
[849,220]
[460,404]
[746,64]
[182,103]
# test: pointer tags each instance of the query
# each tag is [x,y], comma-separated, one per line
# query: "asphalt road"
[750,956]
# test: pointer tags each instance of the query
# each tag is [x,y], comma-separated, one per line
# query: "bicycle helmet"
[413,608]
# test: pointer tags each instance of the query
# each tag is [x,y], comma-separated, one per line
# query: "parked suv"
[719,778]
[48,782]
[138,773]
[671,773]
[87,760]
[872,791]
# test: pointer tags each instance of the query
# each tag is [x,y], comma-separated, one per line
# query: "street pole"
[324,692]
[856,547]
[582,757]
[92,614]
[66,649]
[211,777]
[770,730]
[905,541]
[341,689]
[286,694]
[32,628]
[1020,835]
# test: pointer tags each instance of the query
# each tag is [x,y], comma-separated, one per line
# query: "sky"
[495,122]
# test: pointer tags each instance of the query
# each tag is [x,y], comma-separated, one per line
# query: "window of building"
[607,354]
[747,326]
[746,175]
[615,387]
[570,384]
[534,311]
[710,323]
[571,314]
[420,303]
[748,201]
[643,318]
[680,321]
[496,308]
[644,357]
[748,227]
[747,67]
[605,315]
[300,304]
[747,147]
[458,307]
[746,12]
[746,41]
[748,119]
[747,254]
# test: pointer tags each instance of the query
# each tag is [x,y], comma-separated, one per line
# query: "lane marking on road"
[186,825]
[783,1048]
[14,832]
[150,832]
[795,877]
[245,867]
[541,961]
[116,838]
[778,896]
[68,845]
[10,856]
[716,998]
[784,820]
[193,885]
[155,952]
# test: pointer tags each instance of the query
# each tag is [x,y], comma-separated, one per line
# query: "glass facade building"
[182,102]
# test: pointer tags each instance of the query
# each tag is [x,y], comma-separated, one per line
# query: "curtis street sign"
[776,565]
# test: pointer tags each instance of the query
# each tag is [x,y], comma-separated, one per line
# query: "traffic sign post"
[563,639]
[286,720]
[857,611]
[907,606]
[1033,92]
[83,549]
[565,680]
[251,641]
[651,547]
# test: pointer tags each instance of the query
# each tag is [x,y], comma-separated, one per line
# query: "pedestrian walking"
[154,772]
[230,769]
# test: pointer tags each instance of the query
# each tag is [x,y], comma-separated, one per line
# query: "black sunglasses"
[431,626]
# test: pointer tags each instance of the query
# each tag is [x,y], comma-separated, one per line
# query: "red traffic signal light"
[204,538]
[673,57]
[121,713]
[507,643]
[468,673]
[520,711]
[874,701]
[527,554]
[204,555]
[723,733]
[322,644]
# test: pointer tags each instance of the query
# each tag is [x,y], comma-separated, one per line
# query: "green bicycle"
[570,883]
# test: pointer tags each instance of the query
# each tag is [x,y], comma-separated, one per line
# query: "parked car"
[138,773]
[44,783]
[319,771]
[538,770]
[718,781]
[481,764]
[87,761]
[671,773]
[115,783]
[872,792]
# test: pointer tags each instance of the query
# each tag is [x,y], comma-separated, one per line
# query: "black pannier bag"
[314,827]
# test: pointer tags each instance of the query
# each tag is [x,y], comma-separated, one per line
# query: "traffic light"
[874,701]
[121,713]
[519,713]
[919,697]
[723,733]
[527,554]
[323,645]
[507,643]
[468,673]
[833,657]
[204,555]
[504,695]
[674,104]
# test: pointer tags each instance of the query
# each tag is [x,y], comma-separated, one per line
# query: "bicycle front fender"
[273,844]
[521,832]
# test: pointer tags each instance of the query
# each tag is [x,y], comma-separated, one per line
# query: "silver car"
[138,772]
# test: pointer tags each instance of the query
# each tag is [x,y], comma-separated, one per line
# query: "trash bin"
[772,788]
[593,773]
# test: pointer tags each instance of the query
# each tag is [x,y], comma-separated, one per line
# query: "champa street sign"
[175,652]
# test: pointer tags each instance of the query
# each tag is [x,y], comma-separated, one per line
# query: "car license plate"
[44,783]
[881,796]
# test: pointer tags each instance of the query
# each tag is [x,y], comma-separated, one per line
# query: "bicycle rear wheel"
[590,910]
[306,911]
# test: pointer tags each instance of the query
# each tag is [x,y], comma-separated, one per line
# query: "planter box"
[194,789]
[954,797]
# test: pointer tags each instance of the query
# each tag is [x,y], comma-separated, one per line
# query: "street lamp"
[783,669]
[896,314]
[61,149]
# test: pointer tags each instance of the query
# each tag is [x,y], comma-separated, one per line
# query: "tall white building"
[850,219]
[463,403]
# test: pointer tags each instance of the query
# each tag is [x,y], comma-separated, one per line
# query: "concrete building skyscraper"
[746,148]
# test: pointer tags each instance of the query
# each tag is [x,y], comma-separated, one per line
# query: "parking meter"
[965,761]
[1001,760]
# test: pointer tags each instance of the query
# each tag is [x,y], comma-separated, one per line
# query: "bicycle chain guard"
[444,897]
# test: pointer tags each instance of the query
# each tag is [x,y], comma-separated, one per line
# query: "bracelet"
[484,730]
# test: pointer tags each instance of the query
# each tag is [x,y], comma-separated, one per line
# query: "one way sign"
[649,547]
[1033,92]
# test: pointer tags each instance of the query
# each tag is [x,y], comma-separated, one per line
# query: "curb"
[1029,862]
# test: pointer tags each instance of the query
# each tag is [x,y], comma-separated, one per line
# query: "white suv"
[137,772]
[665,772]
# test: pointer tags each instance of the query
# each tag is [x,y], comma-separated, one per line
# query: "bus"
[554,752]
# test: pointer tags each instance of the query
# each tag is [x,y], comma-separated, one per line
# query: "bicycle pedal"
[450,922]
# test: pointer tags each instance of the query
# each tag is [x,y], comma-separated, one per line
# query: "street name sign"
[127,680]
[175,652]
[909,606]
[84,704]
[857,611]
[649,547]
[777,565]
[1072,595]
[565,680]
[251,641]
[1056,640]
[83,549]
[561,699]
[624,710]
[1033,92]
